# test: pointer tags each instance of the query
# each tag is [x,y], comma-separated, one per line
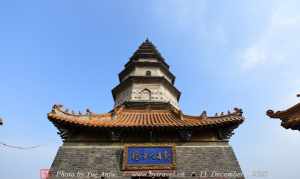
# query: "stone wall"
[84,161]
[123,96]
[158,93]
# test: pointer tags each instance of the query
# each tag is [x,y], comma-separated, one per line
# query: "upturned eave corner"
[284,113]
[290,118]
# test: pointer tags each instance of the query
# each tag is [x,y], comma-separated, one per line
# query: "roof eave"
[284,114]
[125,72]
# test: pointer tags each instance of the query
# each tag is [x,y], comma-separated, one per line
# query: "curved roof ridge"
[59,109]
[236,112]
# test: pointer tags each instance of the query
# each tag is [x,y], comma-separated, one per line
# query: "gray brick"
[190,160]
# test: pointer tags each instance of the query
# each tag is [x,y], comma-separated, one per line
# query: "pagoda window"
[148,73]
[145,95]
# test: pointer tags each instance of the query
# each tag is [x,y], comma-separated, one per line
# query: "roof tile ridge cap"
[177,112]
[117,111]
[59,109]
[56,110]
[203,115]
[236,112]
[102,114]
[189,116]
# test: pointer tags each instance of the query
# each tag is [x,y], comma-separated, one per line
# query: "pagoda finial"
[147,40]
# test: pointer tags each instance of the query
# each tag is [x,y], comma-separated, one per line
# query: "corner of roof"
[59,109]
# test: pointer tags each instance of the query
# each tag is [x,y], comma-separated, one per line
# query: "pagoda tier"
[290,118]
[123,75]
[132,116]
[146,78]
[147,50]
[135,80]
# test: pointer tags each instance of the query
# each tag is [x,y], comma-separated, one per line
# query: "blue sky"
[225,54]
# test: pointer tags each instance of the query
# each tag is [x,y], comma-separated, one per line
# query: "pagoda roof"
[145,117]
[131,66]
[290,117]
[147,50]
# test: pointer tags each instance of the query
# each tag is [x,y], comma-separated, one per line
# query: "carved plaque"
[147,157]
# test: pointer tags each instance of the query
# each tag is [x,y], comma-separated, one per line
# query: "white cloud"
[253,56]
[278,44]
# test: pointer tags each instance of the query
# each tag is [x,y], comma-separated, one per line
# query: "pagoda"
[145,135]
[290,118]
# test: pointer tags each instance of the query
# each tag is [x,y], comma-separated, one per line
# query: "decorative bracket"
[226,133]
[115,135]
[185,135]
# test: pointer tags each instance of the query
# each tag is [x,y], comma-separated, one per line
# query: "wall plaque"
[149,157]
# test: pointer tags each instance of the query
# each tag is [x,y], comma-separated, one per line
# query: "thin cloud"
[276,45]
[253,56]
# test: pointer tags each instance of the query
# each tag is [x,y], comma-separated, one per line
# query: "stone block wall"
[90,161]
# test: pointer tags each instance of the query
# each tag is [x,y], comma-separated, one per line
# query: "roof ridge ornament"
[270,113]
[88,112]
[57,107]
[238,111]
[289,117]
[203,114]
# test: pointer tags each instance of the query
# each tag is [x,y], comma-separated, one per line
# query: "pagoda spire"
[147,50]
[146,79]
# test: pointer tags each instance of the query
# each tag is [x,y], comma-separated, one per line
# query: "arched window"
[145,95]
[148,73]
